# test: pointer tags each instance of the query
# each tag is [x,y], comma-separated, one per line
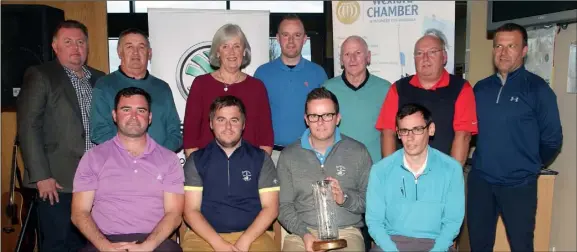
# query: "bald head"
[355,39]
[430,39]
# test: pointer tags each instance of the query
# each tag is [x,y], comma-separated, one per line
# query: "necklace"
[228,84]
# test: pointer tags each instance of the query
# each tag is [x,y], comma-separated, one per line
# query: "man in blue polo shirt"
[288,80]
[231,188]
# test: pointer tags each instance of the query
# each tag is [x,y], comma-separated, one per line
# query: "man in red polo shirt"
[448,97]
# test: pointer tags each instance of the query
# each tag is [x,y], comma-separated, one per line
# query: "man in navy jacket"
[519,132]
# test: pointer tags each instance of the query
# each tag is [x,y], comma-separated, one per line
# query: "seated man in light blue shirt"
[416,196]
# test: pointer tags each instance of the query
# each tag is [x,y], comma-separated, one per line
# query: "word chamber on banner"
[391,29]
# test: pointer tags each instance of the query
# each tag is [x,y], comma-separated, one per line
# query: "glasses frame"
[429,53]
[413,130]
[327,117]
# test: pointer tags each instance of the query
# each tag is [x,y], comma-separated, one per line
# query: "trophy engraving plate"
[329,245]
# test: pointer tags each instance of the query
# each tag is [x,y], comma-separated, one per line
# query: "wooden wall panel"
[8,133]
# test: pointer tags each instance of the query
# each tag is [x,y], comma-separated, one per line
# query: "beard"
[228,143]
[132,129]
[132,133]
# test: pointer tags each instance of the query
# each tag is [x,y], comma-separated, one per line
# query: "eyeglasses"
[430,53]
[416,131]
[326,117]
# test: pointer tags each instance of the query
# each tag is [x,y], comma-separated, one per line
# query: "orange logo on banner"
[348,11]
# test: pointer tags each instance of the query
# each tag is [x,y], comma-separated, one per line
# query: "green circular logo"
[194,62]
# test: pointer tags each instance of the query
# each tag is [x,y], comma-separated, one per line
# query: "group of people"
[100,149]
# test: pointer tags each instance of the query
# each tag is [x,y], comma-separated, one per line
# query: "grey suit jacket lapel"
[69,90]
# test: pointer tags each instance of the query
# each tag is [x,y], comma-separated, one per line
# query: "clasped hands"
[239,246]
[129,246]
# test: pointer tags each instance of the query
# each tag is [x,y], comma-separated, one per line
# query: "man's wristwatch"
[346,196]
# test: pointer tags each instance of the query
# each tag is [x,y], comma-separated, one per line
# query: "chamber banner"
[391,29]
[181,40]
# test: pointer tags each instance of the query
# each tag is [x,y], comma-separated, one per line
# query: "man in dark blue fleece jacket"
[519,132]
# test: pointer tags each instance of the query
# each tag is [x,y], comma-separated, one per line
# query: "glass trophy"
[326,218]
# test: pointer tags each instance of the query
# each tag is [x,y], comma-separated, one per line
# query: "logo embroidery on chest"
[159,177]
[246,176]
[515,98]
[341,170]
[306,84]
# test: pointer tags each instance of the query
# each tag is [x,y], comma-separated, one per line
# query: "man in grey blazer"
[53,119]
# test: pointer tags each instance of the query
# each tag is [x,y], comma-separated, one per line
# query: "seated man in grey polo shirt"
[322,153]
[128,192]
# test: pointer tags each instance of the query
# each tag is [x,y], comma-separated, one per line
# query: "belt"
[278,147]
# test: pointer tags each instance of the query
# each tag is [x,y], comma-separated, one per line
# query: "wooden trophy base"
[329,244]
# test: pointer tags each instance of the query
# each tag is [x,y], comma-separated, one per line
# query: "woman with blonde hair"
[229,54]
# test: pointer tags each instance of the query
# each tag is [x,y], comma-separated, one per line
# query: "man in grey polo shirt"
[128,192]
[322,153]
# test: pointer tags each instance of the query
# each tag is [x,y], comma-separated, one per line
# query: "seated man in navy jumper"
[231,188]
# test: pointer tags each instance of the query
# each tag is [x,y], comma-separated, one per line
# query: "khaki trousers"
[193,242]
[355,242]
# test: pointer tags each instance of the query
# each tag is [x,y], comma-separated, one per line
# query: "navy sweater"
[519,128]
